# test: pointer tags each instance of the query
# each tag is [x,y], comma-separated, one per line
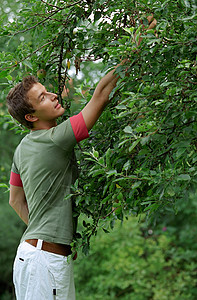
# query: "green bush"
[138,263]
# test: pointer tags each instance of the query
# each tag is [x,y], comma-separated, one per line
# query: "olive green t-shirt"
[46,164]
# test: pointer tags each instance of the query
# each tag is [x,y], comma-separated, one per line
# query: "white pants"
[41,275]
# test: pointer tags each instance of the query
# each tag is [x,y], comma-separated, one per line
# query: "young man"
[43,170]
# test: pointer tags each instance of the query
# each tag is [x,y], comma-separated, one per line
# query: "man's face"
[46,105]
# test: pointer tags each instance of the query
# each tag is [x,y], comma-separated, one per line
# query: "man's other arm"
[18,202]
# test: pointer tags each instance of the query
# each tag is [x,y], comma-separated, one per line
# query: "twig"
[59,72]
[97,221]
[150,134]
[109,213]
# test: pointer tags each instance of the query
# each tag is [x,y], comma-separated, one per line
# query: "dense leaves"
[136,262]
[141,156]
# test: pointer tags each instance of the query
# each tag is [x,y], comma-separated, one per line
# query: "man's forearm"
[19,203]
[93,109]
[107,84]
[22,211]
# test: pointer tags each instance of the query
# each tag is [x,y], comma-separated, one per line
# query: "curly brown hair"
[17,101]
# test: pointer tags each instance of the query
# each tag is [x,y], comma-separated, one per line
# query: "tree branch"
[59,72]
[43,21]
[18,62]
[60,8]
[111,212]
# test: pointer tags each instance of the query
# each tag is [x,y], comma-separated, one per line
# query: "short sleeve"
[15,178]
[79,127]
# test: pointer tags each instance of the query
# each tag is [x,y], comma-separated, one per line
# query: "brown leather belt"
[52,247]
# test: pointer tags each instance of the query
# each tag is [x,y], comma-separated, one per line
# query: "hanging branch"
[60,83]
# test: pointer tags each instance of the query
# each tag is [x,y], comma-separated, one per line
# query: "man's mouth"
[58,105]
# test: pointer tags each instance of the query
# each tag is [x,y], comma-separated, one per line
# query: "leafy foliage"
[139,262]
[141,156]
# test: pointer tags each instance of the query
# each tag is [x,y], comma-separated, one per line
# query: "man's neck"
[44,125]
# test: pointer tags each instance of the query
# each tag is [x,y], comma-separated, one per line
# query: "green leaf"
[28,64]
[3,185]
[121,106]
[108,156]
[180,152]
[152,207]
[129,30]
[4,73]
[95,153]
[105,230]
[186,3]
[170,191]
[190,18]
[111,173]
[97,15]
[136,185]
[103,201]
[67,197]
[97,172]
[184,177]
[134,144]
[128,129]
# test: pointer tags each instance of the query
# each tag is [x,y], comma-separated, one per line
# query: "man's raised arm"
[92,111]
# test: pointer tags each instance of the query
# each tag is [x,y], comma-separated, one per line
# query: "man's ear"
[31,118]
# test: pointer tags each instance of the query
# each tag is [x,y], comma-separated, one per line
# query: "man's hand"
[92,111]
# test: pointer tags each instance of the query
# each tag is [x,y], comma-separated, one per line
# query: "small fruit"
[41,73]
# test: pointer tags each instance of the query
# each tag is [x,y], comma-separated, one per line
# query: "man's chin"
[62,111]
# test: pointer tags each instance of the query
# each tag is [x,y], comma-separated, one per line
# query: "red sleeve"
[79,127]
[15,179]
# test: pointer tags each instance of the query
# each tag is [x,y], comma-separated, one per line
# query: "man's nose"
[53,96]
